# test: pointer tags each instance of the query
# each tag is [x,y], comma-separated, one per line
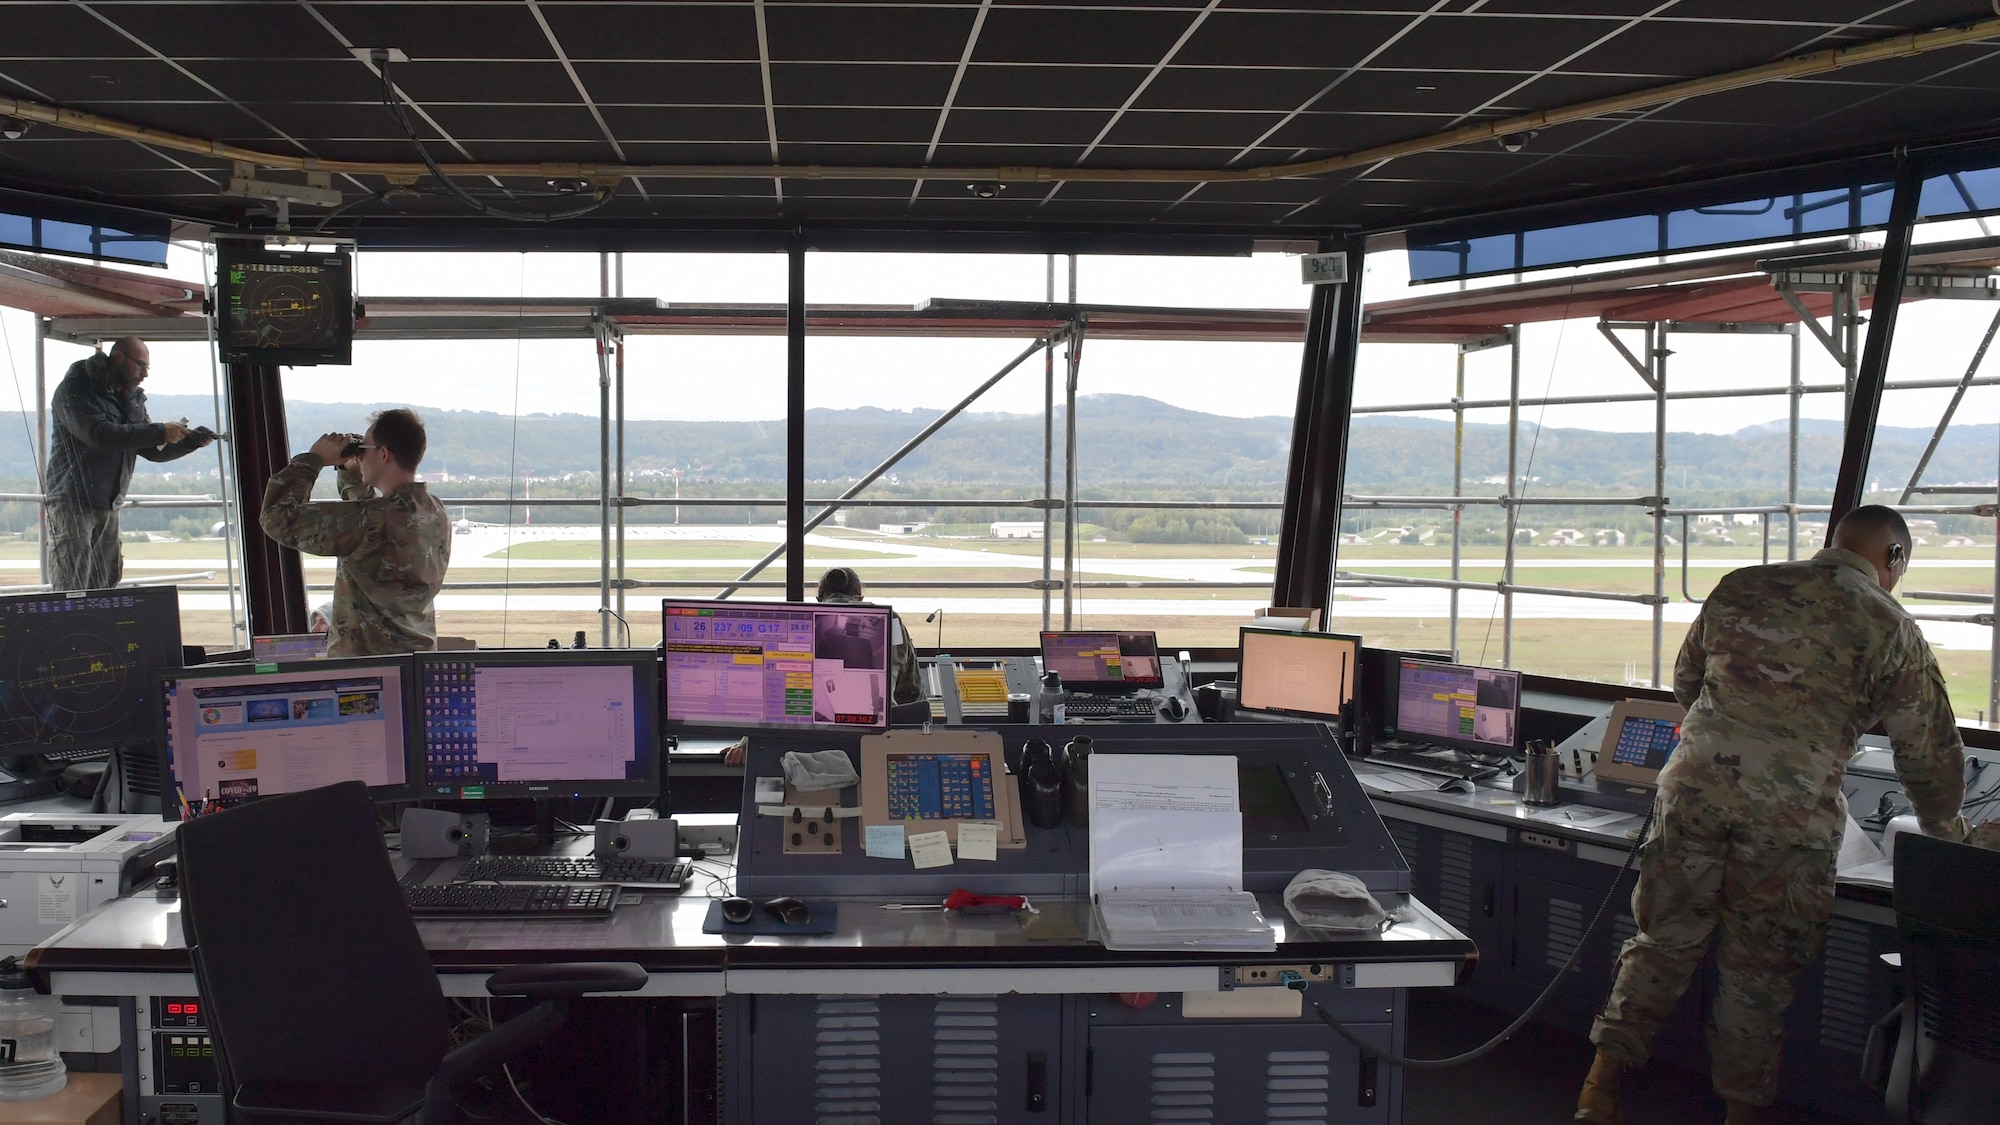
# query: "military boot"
[1740,1113]
[1598,1103]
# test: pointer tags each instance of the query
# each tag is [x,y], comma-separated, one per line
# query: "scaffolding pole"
[1075,354]
[1797,396]
[1513,490]
[1656,354]
[1457,491]
[1048,454]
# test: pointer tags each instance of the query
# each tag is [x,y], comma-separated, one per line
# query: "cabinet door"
[881,1059]
[1463,878]
[1239,1074]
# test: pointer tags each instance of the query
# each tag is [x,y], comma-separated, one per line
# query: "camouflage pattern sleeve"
[1923,733]
[1691,666]
[350,485]
[292,518]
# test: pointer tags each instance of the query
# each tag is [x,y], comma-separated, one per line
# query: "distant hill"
[1124,442]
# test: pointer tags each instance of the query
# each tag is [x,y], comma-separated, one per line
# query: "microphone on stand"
[937,615]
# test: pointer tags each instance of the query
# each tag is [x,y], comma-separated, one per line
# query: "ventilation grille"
[1296,1087]
[1455,879]
[1183,1086]
[1844,1015]
[1565,931]
[141,768]
[965,1061]
[847,1062]
[1405,835]
[1959,1010]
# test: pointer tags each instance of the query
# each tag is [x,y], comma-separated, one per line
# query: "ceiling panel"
[1051,87]
[1461,42]
[690,32]
[1324,39]
[1079,35]
[860,84]
[932,33]
[441,31]
[646,83]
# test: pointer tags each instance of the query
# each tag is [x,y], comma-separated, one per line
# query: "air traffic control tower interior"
[1137,783]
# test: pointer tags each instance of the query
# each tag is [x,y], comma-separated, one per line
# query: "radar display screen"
[83,669]
[284,307]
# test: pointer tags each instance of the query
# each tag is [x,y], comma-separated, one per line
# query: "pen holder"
[1539,787]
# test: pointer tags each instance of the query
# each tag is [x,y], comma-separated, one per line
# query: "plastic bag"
[1332,900]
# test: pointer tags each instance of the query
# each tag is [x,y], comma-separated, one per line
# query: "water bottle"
[1076,781]
[1052,703]
[30,1068]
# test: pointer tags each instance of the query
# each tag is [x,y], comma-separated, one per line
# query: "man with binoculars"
[393,538]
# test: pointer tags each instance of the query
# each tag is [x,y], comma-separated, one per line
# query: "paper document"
[1385,781]
[1176,920]
[1164,822]
[1166,854]
[1856,849]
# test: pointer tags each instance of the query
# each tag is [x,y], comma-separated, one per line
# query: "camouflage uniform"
[101,428]
[393,553]
[1782,671]
[905,685]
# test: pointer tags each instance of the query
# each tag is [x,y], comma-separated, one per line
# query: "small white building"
[1015,529]
[900,528]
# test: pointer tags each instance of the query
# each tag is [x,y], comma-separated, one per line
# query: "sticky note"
[883,841]
[930,849]
[979,840]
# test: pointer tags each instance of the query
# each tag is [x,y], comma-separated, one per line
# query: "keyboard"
[1423,761]
[1110,707]
[494,900]
[670,874]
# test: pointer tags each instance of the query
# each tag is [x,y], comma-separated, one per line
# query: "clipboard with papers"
[1166,855]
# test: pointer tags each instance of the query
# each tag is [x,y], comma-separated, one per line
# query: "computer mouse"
[1456,785]
[790,911]
[1174,709]
[737,909]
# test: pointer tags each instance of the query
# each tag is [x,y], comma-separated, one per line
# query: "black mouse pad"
[825,916]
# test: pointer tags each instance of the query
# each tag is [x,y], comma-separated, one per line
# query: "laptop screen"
[1103,661]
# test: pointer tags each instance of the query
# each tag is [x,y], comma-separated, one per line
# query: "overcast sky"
[743,377]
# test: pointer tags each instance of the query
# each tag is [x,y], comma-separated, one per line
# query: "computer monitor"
[1305,675]
[232,733]
[1103,660]
[540,723]
[782,665]
[1458,705]
[1639,738]
[82,670]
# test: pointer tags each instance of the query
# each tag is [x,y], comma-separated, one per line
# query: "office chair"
[322,1000]
[1946,1068]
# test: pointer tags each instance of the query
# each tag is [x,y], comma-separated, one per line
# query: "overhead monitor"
[786,665]
[539,723]
[1639,738]
[1101,660]
[231,733]
[82,670]
[1458,705]
[1305,675]
[283,307]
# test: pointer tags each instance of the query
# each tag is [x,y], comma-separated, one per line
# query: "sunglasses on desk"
[790,911]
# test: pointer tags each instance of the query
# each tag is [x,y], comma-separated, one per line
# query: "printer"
[57,867]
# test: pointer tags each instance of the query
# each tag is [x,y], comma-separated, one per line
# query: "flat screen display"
[538,723]
[1457,704]
[283,307]
[230,734]
[940,787]
[1646,743]
[1305,674]
[82,670]
[1103,661]
[787,665]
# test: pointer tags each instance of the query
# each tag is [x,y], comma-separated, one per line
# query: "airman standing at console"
[1784,668]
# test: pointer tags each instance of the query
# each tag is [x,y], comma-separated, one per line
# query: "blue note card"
[883,841]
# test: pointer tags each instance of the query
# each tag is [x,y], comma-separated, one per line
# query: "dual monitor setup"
[1421,702]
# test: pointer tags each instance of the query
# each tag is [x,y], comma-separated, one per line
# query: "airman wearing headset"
[1784,668]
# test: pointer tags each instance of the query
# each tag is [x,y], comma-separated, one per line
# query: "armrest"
[566,978]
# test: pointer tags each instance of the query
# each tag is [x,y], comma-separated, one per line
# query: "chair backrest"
[309,963]
[1948,922]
